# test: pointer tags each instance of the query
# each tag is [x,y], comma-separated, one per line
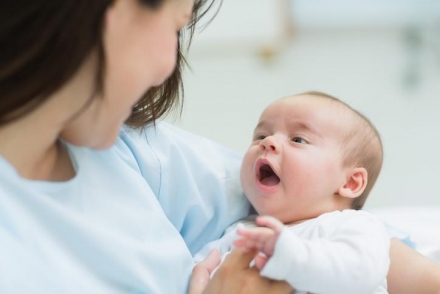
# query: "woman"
[88,207]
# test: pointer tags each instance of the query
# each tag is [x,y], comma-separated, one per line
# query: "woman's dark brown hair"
[44,42]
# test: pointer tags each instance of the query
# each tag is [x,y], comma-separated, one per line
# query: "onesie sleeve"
[195,180]
[348,253]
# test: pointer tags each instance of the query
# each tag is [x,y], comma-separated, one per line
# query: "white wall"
[361,13]
[368,67]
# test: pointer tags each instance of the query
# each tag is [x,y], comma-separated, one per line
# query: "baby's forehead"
[329,116]
[308,109]
[310,102]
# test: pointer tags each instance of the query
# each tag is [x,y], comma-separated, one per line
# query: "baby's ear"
[355,183]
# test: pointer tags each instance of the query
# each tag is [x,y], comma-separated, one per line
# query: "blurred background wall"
[380,56]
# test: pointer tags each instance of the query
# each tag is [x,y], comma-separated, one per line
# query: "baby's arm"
[262,238]
[348,253]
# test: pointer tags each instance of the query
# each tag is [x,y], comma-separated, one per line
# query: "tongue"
[270,180]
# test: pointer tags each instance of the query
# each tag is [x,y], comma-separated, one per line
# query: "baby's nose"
[269,144]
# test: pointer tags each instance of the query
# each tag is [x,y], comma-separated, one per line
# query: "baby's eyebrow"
[302,126]
[293,125]
[261,125]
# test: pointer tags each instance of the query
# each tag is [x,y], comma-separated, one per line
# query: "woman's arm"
[234,276]
[410,272]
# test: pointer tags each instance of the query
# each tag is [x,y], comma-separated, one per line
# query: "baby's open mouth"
[267,176]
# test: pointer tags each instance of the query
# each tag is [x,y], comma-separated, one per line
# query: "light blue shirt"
[128,222]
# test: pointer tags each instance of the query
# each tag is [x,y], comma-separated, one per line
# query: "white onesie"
[338,252]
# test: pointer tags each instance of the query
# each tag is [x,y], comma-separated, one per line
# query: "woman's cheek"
[170,63]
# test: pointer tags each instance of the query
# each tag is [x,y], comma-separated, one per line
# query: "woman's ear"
[355,183]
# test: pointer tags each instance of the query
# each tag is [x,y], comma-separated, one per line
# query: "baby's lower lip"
[267,189]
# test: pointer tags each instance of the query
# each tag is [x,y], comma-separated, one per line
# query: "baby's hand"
[262,238]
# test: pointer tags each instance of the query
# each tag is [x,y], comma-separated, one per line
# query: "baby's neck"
[297,222]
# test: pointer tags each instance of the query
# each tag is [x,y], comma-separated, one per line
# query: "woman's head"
[43,44]
[132,44]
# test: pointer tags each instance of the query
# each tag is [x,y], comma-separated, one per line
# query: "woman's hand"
[201,273]
[234,276]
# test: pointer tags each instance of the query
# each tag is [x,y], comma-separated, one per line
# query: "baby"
[310,167]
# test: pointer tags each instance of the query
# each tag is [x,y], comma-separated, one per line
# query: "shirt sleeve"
[350,254]
[195,180]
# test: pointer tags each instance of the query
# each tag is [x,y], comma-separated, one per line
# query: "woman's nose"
[269,144]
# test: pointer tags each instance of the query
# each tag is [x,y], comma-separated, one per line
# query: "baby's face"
[293,167]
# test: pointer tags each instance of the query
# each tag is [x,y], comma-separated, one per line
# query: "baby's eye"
[299,140]
[260,137]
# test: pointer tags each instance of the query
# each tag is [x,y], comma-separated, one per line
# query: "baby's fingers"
[246,244]
[260,261]
[270,222]
[256,234]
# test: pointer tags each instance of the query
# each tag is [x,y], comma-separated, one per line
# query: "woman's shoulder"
[169,144]
[162,134]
